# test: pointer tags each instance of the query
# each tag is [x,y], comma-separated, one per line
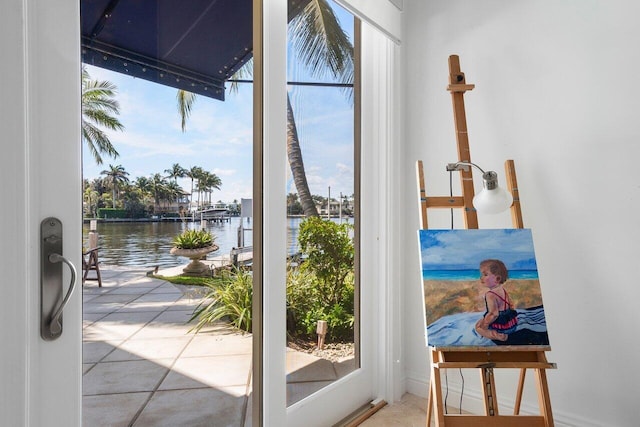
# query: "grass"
[191,280]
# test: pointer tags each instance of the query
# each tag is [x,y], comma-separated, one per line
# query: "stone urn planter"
[195,267]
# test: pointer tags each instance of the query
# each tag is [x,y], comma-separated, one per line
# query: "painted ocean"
[472,274]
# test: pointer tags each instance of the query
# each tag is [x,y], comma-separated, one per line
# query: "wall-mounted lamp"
[492,199]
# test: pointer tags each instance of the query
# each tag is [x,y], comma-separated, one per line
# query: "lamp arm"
[458,166]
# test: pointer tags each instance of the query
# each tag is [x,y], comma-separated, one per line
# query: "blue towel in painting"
[459,330]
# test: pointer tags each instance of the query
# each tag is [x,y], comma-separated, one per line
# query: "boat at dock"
[216,213]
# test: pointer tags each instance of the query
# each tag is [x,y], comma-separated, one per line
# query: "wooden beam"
[422,195]
[456,78]
[512,186]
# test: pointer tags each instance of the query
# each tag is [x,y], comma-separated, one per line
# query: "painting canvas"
[481,288]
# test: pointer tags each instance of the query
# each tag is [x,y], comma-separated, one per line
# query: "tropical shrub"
[229,299]
[322,288]
[329,254]
[193,239]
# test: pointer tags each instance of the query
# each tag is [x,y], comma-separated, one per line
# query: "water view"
[148,243]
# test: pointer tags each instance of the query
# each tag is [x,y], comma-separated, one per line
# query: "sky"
[464,249]
[219,134]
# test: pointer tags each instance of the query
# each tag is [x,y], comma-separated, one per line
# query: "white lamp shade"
[492,201]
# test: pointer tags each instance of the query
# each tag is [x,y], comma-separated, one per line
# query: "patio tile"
[89,318]
[194,408]
[166,288]
[248,422]
[149,349]
[158,330]
[174,317]
[88,297]
[134,307]
[185,303]
[122,377]
[345,367]
[163,298]
[216,371]
[303,367]
[93,308]
[117,326]
[219,345]
[94,351]
[99,410]
[111,298]
[94,290]
[131,289]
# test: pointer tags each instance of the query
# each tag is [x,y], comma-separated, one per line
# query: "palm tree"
[172,192]
[91,196]
[98,108]
[324,48]
[194,173]
[208,182]
[115,175]
[157,183]
[176,172]
[322,45]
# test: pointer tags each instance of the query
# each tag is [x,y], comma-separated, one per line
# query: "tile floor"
[142,367]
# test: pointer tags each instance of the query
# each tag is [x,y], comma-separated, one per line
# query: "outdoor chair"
[90,263]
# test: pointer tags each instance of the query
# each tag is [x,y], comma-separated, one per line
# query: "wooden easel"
[485,359]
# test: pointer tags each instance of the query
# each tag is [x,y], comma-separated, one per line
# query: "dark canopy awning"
[193,45]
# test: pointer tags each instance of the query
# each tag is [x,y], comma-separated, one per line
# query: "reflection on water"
[148,243]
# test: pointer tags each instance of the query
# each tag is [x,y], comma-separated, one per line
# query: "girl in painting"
[499,319]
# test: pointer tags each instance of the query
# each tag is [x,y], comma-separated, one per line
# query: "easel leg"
[437,395]
[489,392]
[430,402]
[516,408]
[543,397]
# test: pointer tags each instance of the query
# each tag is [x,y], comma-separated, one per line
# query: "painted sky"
[219,134]
[464,249]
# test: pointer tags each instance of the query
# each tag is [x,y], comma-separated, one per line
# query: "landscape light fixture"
[492,199]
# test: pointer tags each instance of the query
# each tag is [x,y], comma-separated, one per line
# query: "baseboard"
[473,402]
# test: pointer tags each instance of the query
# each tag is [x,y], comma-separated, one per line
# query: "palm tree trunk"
[191,196]
[294,155]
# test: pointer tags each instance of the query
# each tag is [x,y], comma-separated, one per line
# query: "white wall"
[555,91]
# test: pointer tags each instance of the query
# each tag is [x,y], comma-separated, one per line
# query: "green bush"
[305,308]
[322,288]
[108,213]
[329,254]
[230,299]
[193,239]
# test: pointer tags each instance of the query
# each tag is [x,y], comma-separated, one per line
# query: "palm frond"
[185,103]
[321,43]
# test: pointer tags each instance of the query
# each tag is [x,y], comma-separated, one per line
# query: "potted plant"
[195,245]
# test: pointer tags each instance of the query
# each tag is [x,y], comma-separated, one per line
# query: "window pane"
[321,197]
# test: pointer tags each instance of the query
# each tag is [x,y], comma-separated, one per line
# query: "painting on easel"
[481,288]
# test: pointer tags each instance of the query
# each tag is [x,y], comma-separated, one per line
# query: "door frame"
[42,381]
[41,71]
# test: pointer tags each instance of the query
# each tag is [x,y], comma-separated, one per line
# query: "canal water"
[148,243]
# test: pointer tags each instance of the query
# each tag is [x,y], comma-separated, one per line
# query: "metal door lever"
[51,279]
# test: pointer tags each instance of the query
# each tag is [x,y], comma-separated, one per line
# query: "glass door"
[317,348]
